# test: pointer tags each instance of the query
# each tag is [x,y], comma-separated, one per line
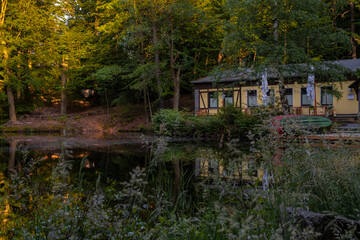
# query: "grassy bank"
[166,201]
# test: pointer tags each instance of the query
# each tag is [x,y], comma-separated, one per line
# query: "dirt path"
[90,121]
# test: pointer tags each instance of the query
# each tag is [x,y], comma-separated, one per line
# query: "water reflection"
[116,158]
[211,164]
[12,152]
[113,158]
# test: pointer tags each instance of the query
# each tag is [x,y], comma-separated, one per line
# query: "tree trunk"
[353,41]
[175,73]
[196,56]
[283,100]
[157,63]
[9,90]
[142,62]
[145,106]
[96,22]
[276,26]
[220,57]
[3,11]
[176,79]
[11,102]
[63,89]
[10,94]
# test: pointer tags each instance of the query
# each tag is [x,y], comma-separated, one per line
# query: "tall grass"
[167,201]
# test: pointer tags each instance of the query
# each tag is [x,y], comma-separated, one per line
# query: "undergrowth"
[222,199]
[230,122]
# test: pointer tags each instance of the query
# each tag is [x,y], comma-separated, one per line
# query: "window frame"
[228,94]
[301,98]
[247,97]
[209,99]
[270,95]
[321,96]
[292,96]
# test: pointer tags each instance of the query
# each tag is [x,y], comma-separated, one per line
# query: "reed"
[167,201]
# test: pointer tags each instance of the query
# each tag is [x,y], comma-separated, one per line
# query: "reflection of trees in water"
[12,153]
[170,170]
[171,166]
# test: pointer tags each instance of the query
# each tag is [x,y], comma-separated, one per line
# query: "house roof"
[251,74]
[352,64]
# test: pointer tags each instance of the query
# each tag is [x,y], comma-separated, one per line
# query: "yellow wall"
[340,106]
[237,104]
[259,94]
[344,105]
[205,97]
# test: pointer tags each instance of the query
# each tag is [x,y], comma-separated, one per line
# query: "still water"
[114,158]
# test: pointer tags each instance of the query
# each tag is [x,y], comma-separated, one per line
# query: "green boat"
[300,124]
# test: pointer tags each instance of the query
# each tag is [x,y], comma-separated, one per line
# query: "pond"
[114,158]
[139,186]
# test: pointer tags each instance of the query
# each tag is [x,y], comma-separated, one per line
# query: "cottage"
[243,90]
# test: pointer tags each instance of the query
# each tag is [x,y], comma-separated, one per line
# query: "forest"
[232,175]
[148,51]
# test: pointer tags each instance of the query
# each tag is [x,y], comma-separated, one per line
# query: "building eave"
[249,74]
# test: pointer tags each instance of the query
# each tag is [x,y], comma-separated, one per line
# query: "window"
[251,98]
[213,101]
[228,98]
[304,98]
[271,98]
[289,96]
[252,169]
[326,96]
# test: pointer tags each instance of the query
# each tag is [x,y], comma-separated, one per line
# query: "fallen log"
[325,226]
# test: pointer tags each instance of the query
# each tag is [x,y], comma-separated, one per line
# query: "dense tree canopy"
[150,50]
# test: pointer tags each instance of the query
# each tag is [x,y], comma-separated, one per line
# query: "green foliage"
[110,89]
[207,126]
[170,122]
[230,121]
[282,32]
[109,45]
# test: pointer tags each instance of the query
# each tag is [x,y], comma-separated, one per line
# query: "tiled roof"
[352,64]
[251,74]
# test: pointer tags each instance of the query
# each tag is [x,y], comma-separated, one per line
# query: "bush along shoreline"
[229,123]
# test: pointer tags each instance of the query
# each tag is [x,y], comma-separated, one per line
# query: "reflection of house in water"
[210,165]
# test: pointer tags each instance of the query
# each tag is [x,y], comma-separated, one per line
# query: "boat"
[293,124]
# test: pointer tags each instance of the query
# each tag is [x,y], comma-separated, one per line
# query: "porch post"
[197,100]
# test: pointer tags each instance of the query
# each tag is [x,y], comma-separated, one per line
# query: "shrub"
[170,122]
[238,123]
[230,121]
[207,126]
